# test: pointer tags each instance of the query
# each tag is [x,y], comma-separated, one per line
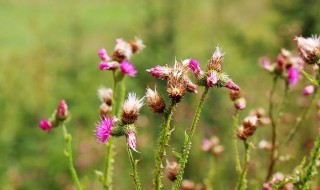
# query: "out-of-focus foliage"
[48,51]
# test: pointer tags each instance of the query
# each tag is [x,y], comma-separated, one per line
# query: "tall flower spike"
[195,67]
[128,68]
[62,110]
[45,125]
[309,48]
[131,108]
[159,72]
[104,129]
[103,54]
[155,101]
[131,140]
[216,61]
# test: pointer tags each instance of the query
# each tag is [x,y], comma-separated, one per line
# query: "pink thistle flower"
[309,48]
[107,65]
[103,54]
[266,64]
[104,129]
[240,103]
[131,140]
[128,68]
[159,72]
[231,85]
[293,75]
[194,65]
[62,110]
[212,78]
[309,90]
[45,125]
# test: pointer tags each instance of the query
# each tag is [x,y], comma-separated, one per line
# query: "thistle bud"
[122,50]
[309,49]
[105,110]
[216,61]
[62,110]
[231,85]
[105,95]
[191,87]
[159,72]
[131,108]
[45,125]
[131,140]
[212,78]
[176,85]
[234,95]
[240,103]
[137,45]
[172,170]
[309,90]
[248,127]
[155,101]
[194,65]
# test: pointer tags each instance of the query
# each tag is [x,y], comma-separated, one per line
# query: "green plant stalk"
[274,131]
[210,176]
[163,141]
[311,169]
[242,184]
[134,163]
[68,153]
[107,182]
[235,141]
[187,144]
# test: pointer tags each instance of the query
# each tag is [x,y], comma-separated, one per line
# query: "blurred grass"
[48,51]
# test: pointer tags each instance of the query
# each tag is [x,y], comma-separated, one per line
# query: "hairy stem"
[235,141]
[163,141]
[68,153]
[135,175]
[242,184]
[187,143]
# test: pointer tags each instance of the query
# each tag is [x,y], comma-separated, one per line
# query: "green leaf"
[310,78]
[177,154]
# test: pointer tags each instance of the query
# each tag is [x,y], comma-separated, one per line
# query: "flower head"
[104,129]
[62,110]
[45,125]
[293,75]
[122,51]
[216,61]
[103,54]
[131,108]
[309,48]
[240,103]
[195,67]
[105,110]
[155,101]
[137,45]
[248,127]
[309,89]
[131,139]
[159,72]
[172,170]
[112,65]
[128,68]
[105,95]
[212,78]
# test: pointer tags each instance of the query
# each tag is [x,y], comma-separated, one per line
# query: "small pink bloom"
[103,54]
[62,110]
[107,65]
[128,68]
[309,90]
[131,140]
[104,129]
[195,67]
[212,79]
[206,145]
[293,75]
[45,125]
[267,186]
[159,72]
[240,103]
[231,85]
[266,64]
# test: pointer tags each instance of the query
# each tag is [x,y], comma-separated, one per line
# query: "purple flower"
[128,68]
[240,103]
[104,129]
[293,75]
[195,67]
[62,110]
[309,90]
[159,72]
[212,79]
[266,64]
[103,54]
[107,65]
[231,85]
[45,125]
[131,140]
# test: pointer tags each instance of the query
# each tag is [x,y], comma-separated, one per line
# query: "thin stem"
[208,181]
[188,141]
[68,153]
[242,184]
[135,175]
[163,141]
[299,120]
[274,132]
[107,182]
[235,141]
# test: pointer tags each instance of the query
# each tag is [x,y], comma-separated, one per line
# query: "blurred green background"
[48,51]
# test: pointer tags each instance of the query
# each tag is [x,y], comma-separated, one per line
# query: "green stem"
[68,153]
[187,143]
[208,181]
[235,141]
[135,175]
[274,131]
[107,182]
[242,184]
[163,141]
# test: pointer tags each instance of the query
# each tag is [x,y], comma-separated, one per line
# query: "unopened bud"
[105,110]
[105,95]
[172,170]
[234,95]
[45,125]
[155,101]
[62,110]
[137,45]
[309,89]
[240,103]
